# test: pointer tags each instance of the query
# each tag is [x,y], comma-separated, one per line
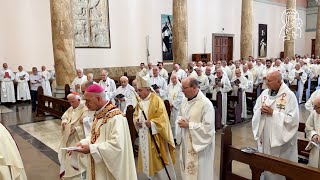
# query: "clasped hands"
[147,122]
[183,123]
[73,130]
[266,110]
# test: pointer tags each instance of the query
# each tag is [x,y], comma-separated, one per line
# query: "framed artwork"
[263,39]
[166,34]
[91,23]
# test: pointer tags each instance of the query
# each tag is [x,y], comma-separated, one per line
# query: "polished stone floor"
[38,139]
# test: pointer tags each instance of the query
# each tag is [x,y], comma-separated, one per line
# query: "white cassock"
[78,81]
[180,73]
[143,72]
[211,78]
[254,76]
[109,87]
[287,67]
[244,86]
[72,117]
[46,83]
[224,90]
[164,73]
[203,83]
[264,75]
[309,103]
[11,166]
[175,96]
[315,72]
[228,71]
[276,134]
[129,95]
[23,91]
[193,74]
[162,84]
[111,152]
[249,77]
[197,141]
[7,87]
[280,69]
[313,128]
[293,81]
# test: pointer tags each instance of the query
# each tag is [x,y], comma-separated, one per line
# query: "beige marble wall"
[289,50]
[246,29]
[317,45]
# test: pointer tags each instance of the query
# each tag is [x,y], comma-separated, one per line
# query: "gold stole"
[106,115]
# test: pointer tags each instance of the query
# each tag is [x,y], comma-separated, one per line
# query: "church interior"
[65,41]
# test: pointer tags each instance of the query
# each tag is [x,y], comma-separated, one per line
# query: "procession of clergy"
[96,143]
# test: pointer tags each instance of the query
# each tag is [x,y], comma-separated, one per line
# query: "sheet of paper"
[71,148]
[87,123]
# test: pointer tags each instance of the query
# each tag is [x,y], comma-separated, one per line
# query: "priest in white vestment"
[11,165]
[288,66]
[109,145]
[247,74]
[221,83]
[175,96]
[23,91]
[78,81]
[239,81]
[275,122]
[72,132]
[310,103]
[295,76]
[45,83]
[7,87]
[197,138]
[156,144]
[203,80]
[124,94]
[108,85]
[143,71]
[158,83]
[313,134]
[180,72]
[163,72]
[268,69]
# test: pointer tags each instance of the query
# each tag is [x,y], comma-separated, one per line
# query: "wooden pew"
[302,144]
[234,112]
[67,91]
[251,98]
[259,162]
[55,106]
[217,104]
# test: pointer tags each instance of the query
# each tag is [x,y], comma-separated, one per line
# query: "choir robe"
[109,87]
[180,73]
[162,84]
[293,81]
[248,76]
[224,90]
[244,86]
[175,96]
[198,141]
[193,74]
[78,81]
[148,160]
[111,156]
[228,71]
[203,83]
[23,91]
[143,72]
[7,87]
[287,67]
[11,166]
[46,83]
[309,103]
[264,75]
[254,76]
[276,134]
[164,73]
[72,119]
[128,93]
[312,128]
[315,72]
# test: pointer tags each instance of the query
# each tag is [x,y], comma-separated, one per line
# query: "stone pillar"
[289,42]
[317,44]
[246,28]
[63,43]
[180,33]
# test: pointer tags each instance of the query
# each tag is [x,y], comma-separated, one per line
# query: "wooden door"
[223,48]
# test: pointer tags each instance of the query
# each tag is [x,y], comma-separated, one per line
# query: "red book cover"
[6,74]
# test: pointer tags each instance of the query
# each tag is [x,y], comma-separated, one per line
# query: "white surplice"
[162,84]
[276,134]
[7,87]
[263,76]
[249,77]
[78,81]
[197,141]
[293,81]
[226,87]
[203,83]
[129,95]
[109,87]
[112,151]
[175,96]
[46,83]
[23,91]
[11,165]
[180,73]
[164,73]
[309,103]
[244,86]
[313,128]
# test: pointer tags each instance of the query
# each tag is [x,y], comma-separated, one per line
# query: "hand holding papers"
[71,148]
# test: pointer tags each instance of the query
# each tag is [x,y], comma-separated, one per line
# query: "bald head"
[274,80]
[316,101]
[124,81]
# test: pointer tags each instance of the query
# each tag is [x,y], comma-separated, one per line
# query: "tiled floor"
[38,139]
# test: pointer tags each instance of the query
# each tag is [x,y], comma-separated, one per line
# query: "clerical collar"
[189,99]
[273,92]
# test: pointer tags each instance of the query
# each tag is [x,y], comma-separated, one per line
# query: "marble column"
[246,29]
[180,33]
[63,43]
[317,43]
[289,41]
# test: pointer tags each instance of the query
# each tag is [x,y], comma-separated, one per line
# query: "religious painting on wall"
[166,31]
[263,39]
[91,23]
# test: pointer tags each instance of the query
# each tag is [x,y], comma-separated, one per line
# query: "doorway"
[222,47]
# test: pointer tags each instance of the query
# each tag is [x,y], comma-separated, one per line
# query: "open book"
[120,96]
[155,86]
